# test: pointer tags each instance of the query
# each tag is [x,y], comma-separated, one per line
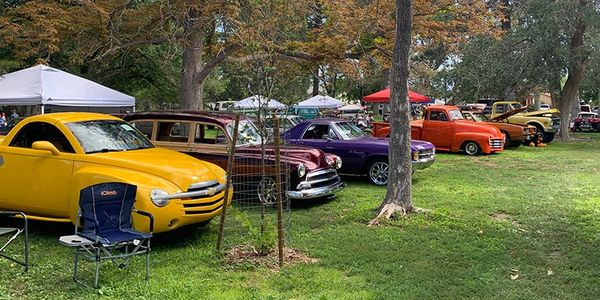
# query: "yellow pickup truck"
[46,160]
[546,122]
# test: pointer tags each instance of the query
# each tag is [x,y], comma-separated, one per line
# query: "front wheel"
[267,191]
[548,137]
[378,172]
[472,148]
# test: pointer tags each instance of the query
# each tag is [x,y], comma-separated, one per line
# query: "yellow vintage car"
[46,160]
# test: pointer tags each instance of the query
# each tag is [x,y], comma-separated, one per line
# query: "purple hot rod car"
[360,154]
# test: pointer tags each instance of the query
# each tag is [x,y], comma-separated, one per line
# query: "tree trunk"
[191,83]
[578,57]
[399,188]
[315,82]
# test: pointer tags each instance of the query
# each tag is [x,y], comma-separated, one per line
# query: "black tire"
[377,171]
[471,148]
[549,137]
[507,140]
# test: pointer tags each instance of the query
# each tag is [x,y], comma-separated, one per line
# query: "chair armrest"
[148,215]
[17,213]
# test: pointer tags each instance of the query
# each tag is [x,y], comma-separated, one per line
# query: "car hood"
[508,114]
[543,113]
[478,127]
[384,143]
[311,158]
[178,168]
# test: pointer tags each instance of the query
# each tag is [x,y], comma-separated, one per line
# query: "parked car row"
[177,158]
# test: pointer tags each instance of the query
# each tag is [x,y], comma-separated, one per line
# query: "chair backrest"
[108,204]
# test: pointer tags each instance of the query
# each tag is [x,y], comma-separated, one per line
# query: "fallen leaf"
[550,272]
[514,276]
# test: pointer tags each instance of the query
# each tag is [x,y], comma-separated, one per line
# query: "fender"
[536,124]
[459,138]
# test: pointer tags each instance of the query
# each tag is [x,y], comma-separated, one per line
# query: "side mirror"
[46,146]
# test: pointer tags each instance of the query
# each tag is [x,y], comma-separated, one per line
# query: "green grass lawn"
[531,212]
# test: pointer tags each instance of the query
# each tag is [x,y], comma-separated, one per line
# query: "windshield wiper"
[104,150]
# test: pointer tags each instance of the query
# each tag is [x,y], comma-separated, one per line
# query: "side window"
[144,127]
[173,132]
[437,115]
[316,131]
[499,109]
[40,131]
[209,134]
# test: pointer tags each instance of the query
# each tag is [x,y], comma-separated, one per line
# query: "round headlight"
[338,163]
[156,196]
[301,170]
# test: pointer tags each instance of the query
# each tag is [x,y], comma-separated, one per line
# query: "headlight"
[156,194]
[338,163]
[415,155]
[301,170]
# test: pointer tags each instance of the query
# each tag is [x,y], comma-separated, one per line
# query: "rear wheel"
[378,171]
[471,148]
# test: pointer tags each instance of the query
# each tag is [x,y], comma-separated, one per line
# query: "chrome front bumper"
[316,192]
[423,163]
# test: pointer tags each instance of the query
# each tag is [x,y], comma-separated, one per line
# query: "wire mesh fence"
[258,219]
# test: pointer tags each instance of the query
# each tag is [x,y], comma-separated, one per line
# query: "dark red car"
[205,135]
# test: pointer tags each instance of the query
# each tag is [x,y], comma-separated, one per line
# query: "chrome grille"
[206,204]
[320,178]
[426,153]
[496,143]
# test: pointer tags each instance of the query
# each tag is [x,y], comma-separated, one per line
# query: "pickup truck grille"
[321,178]
[556,123]
[496,143]
[207,204]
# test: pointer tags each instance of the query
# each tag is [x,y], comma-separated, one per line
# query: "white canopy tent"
[257,101]
[42,85]
[351,107]
[320,101]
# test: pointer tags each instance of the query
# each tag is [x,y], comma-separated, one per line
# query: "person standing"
[14,114]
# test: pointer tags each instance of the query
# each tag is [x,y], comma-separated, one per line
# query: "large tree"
[399,189]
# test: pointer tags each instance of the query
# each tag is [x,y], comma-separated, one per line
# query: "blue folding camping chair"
[107,232]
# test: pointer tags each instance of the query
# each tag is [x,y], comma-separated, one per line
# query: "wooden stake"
[228,183]
[280,230]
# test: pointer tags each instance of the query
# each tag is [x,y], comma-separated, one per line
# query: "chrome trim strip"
[320,172]
[206,192]
[204,184]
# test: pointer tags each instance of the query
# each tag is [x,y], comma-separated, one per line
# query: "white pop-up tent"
[42,85]
[320,101]
[257,101]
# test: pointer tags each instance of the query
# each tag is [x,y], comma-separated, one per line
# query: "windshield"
[108,136]
[455,114]
[348,131]
[247,133]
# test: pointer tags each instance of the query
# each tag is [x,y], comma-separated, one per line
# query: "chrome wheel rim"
[471,148]
[267,191]
[379,173]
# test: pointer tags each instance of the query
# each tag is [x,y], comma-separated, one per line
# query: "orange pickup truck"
[446,128]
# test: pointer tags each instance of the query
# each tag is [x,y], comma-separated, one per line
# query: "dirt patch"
[504,217]
[246,254]
[500,216]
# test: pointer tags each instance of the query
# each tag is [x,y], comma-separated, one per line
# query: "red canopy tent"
[383,96]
